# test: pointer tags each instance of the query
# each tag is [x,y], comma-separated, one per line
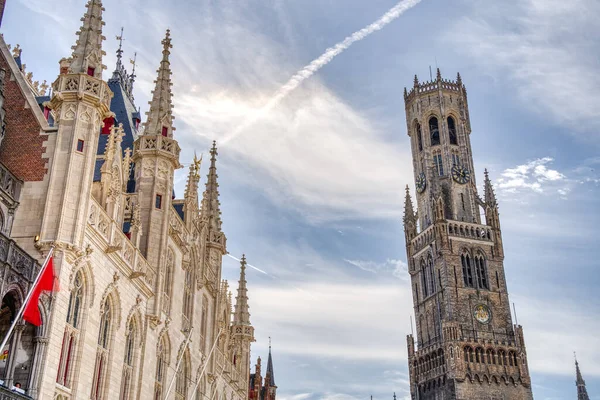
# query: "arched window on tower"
[434,131]
[431,274]
[162,364]
[419,136]
[424,280]
[438,163]
[482,279]
[103,350]
[467,270]
[452,131]
[71,334]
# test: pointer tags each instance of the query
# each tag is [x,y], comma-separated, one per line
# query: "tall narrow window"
[168,283]
[452,131]
[165,131]
[71,334]
[424,280]
[462,201]
[183,377]
[434,131]
[482,279]
[158,202]
[162,363]
[431,274]
[455,159]
[203,322]
[127,376]
[439,166]
[188,298]
[419,137]
[467,270]
[102,350]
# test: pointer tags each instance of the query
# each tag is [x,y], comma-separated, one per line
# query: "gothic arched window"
[419,136]
[188,297]
[467,270]
[129,359]
[434,131]
[424,280]
[71,333]
[102,350]
[183,377]
[438,163]
[482,279]
[431,274]
[168,283]
[452,131]
[162,363]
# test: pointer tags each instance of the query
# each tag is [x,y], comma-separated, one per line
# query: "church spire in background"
[581,390]
[160,114]
[87,51]
[120,74]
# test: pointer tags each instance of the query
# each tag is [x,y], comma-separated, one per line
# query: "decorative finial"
[458,79]
[405,93]
[196,164]
[394,395]
[120,50]
[269,344]
[17,51]
[439,75]
[43,88]
[416,82]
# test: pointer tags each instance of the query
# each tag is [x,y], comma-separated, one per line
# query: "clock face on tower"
[482,313]
[421,182]
[461,174]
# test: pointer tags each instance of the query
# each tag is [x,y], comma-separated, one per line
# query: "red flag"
[46,283]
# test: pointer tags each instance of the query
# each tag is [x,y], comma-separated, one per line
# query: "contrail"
[323,60]
[251,266]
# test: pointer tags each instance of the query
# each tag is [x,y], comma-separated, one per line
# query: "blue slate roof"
[41,100]
[179,208]
[125,113]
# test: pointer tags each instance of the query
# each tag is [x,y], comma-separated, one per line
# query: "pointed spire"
[120,74]
[132,76]
[581,389]
[458,79]
[416,81]
[87,51]
[160,115]
[394,395]
[438,75]
[242,314]
[409,211]
[191,189]
[211,210]
[489,195]
[270,374]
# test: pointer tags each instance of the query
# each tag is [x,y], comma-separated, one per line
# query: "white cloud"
[531,176]
[545,47]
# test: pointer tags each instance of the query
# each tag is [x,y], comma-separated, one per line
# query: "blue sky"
[313,191]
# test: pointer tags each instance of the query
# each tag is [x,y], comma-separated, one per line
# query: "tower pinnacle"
[409,211]
[160,114]
[119,75]
[490,196]
[211,210]
[242,314]
[87,51]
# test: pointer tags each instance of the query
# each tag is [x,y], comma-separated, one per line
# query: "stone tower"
[467,346]
[156,156]
[80,101]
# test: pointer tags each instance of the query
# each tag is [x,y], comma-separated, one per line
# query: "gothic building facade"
[467,346]
[142,311]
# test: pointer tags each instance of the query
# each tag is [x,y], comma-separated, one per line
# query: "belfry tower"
[467,346]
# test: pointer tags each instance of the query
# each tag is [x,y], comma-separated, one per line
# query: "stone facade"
[467,346]
[142,310]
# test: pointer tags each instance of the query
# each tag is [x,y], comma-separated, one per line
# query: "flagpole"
[20,313]
[206,364]
[179,363]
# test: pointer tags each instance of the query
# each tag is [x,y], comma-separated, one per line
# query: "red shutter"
[165,131]
[91,71]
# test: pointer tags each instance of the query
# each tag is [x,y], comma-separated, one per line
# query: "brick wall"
[23,146]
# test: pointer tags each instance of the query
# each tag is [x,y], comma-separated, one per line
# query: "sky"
[312,189]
